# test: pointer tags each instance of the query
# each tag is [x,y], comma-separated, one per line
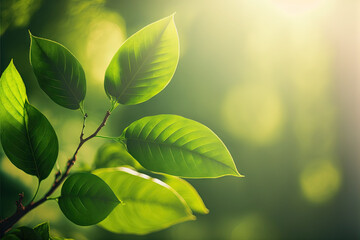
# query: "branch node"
[19,205]
[57,175]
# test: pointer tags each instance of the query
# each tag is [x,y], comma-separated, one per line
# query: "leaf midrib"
[30,144]
[145,60]
[69,195]
[184,149]
[58,70]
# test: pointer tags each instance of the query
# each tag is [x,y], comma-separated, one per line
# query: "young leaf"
[43,230]
[86,199]
[58,72]
[178,146]
[149,204]
[27,137]
[188,192]
[22,233]
[12,96]
[114,155]
[144,64]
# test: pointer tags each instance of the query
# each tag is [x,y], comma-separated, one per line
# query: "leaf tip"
[237,174]
[192,217]
[206,211]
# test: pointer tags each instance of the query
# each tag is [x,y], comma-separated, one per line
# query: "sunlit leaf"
[86,199]
[27,137]
[114,155]
[186,191]
[43,230]
[149,204]
[144,64]
[58,72]
[178,146]
[22,233]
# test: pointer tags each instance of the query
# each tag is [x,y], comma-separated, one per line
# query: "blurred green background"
[277,80]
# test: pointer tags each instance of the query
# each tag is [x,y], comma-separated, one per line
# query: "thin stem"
[114,104]
[83,128]
[106,137]
[82,108]
[54,198]
[6,224]
[37,190]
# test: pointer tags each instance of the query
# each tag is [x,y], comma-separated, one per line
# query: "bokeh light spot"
[253,227]
[320,181]
[253,113]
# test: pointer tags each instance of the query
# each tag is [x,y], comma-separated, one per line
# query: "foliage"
[119,194]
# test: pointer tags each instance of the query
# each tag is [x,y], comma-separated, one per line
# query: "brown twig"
[6,224]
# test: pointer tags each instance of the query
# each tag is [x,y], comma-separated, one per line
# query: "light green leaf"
[43,230]
[58,72]
[22,233]
[86,199]
[149,204]
[178,146]
[27,137]
[188,192]
[114,155]
[144,64]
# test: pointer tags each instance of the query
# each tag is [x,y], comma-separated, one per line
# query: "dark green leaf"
[58,72]
[22,233]
[149,204]
[144,64]
[86,199]
[188,192]
[27,137]
[9,193]
[114,155]
[43,230]
[178,146]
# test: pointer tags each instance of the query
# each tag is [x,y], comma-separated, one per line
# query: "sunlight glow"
[253,113]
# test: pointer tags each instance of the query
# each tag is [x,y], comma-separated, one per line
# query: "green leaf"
[86,199]
[27,137]
[188,192]
[149,204]
[12,95]
[144,64]
[58,72]
[43,230]
[22,233]
[114,155]
[178,146]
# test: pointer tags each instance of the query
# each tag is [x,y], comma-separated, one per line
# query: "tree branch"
[6,224]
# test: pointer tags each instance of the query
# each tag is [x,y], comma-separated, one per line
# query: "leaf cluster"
[136,184]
